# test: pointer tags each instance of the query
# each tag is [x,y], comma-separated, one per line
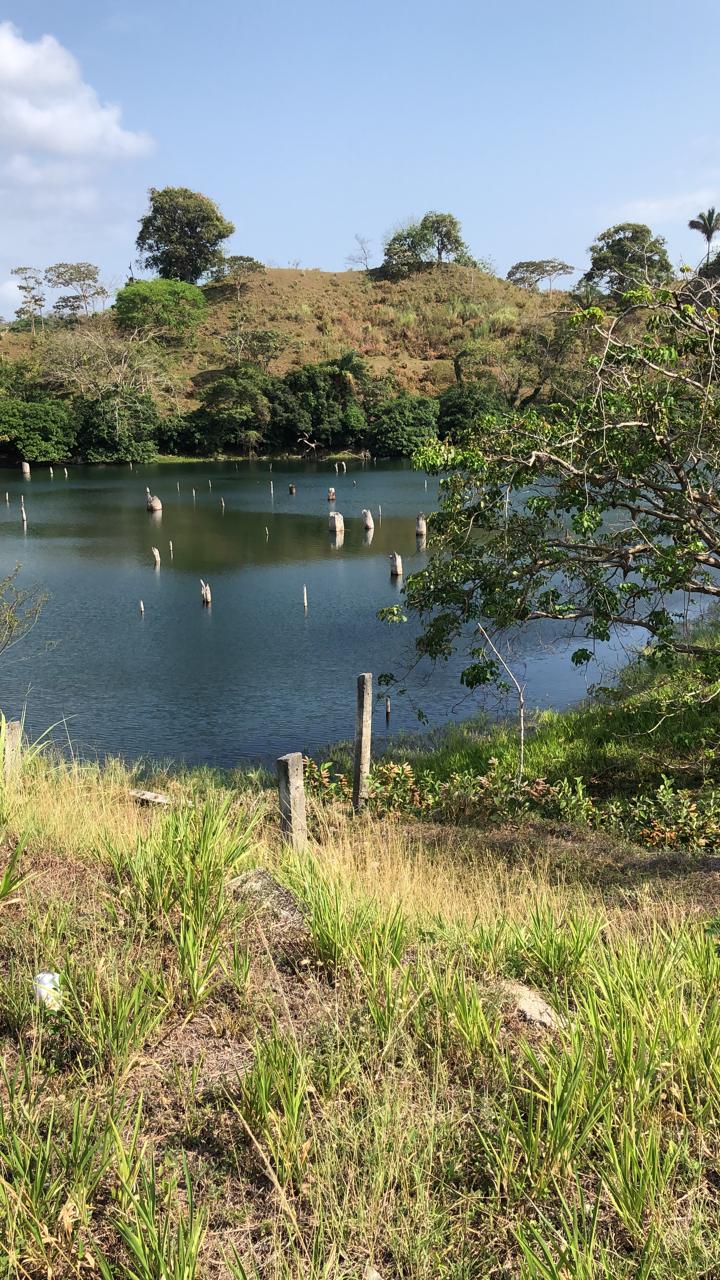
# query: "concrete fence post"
[13,748]
[363,740]
[291,793]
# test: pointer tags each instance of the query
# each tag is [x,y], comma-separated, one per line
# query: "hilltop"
[411,328]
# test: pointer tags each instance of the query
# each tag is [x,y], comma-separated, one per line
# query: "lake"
[253,676]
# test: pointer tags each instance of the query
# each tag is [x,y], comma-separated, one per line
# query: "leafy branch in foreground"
[600,516]
[19,609]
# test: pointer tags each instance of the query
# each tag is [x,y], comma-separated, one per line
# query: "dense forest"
[218,354]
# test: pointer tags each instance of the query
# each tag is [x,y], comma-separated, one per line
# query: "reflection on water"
[256,674]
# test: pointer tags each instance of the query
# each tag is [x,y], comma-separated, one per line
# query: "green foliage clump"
[171,307]
[181,234]
[403,424]
[437,238]
[624,257]
[462,408]
[117,427]
[38,431]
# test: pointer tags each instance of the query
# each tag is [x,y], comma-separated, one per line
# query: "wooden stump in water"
[156,557]
[331,494]
[291,489]
[368,520]
[25,468]
[205,592]
[336,522]
[153,503]
[396,568]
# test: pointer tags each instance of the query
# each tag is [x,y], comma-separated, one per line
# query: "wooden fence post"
[291,791]
[363,740]
[13,748]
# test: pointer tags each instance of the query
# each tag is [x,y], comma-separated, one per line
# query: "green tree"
[528,275]
[38,431]
[168,307]
[30,287]
[444,234]
[463,407]
[83,281]
[601,515]
[246,341]
[708,224]
[117,426]
[437,238]
[181,234]
[234,413]
[401,425]
[625,256]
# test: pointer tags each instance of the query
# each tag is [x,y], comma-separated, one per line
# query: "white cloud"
[61,149]
[47,108]
[675,208]
[9,296]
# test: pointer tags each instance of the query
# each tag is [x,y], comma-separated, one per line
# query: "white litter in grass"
[47,989]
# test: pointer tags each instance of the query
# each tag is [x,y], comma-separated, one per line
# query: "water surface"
[254,676]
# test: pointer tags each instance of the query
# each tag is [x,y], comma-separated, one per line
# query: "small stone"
[531,1005]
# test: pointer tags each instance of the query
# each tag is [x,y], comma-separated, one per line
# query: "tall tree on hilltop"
[30,288]
[624,257]
[181,234]
[708,224]
[437,238]
[444,233]
[528,275]
[83,281]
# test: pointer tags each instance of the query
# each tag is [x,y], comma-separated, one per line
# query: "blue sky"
[536,124]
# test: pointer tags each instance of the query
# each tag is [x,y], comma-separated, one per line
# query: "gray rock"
[260,889]
[531,1005]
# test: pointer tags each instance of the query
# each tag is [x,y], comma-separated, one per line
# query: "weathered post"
[291,793]
[291,489]
[368,519]
[304,597]
[156,557]
[396,568]
[421,525]
[65,470]
[331,494]
[170,545]
[142,608]
[25,468]
[52,473]
[336,523]
[13,748]
[363,740]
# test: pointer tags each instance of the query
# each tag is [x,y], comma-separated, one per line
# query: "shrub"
[171,306]
[401,425]
[39,431]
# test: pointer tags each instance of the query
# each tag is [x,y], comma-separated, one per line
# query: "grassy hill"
[409,327]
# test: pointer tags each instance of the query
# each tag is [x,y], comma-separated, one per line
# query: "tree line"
[104,383]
